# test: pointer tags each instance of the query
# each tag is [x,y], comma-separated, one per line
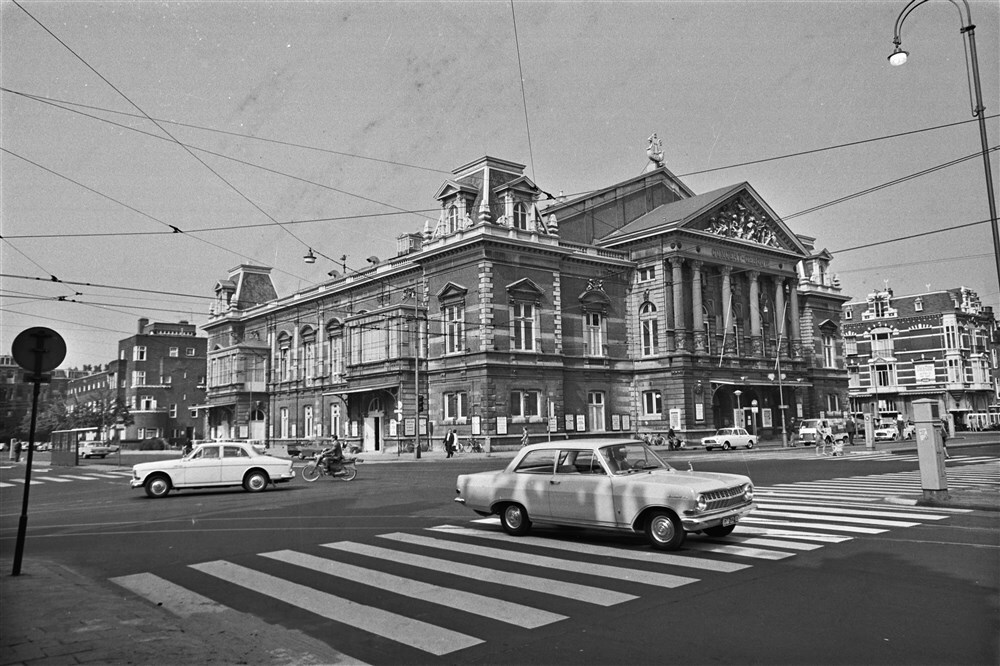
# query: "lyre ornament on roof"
[595,285]
[737,221]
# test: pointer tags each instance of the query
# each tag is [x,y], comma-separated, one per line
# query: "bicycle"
[471,445]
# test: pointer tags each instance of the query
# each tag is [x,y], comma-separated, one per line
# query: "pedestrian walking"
[17,450]
[450,443]
[851,429]
[944,437]
[524,436]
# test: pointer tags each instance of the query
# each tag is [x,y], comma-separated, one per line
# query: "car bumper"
[285,478]
[705,521]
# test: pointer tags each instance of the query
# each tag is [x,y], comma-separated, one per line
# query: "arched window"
[650,328]
[520,217]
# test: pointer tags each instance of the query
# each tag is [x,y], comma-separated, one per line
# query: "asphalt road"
[824,572]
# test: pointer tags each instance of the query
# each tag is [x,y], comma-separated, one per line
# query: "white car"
[727,438]
[213,465]
[614,484]
[94,449]
[890,433]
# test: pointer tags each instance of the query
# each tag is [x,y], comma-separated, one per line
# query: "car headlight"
[748,492]
[701,504]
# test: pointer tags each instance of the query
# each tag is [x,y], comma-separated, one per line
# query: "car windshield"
[629,458]
[810,424]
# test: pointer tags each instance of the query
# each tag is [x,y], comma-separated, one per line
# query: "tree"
[104,410]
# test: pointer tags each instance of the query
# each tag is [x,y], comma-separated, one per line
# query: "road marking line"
[6,485]
[777,543]
[604,551]
[104,476]
[853,512]
[487,607]
[618,573]
[415,633]
[825,526]
[80,478]
[33,482]
[791,534]
[178,600]
[839,519]
[727,549]
[574,591]
[58,479]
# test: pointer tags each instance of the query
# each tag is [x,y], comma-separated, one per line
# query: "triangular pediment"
[519,184]
[451,187]
[524,289]
[452,290]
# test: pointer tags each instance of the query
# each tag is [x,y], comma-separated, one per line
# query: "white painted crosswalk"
[47,476]
[490,584]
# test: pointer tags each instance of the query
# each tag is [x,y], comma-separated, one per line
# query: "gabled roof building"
[631,309]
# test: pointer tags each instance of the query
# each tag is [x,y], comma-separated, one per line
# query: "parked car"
[43,446]
[211,465]
[813,431]
[94,450]
[607,483]
[727,438]
[890,432]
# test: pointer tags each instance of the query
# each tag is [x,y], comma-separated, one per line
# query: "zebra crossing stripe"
[180,601]
[775,543]
[839,518]
[104,476]
[58,479]
[856,512]
[603,551]
[812,496]
[825,526]
[415,633]
[6,485]
[574,591]
[496,609]
[80,478]
[740,551]
[33,482]
[604,570]
[791,534]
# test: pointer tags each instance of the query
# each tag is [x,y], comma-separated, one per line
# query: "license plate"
[731,520]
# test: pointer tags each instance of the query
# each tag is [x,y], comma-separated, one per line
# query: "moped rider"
[332,456]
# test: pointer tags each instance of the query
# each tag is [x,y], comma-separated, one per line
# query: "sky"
[259,130]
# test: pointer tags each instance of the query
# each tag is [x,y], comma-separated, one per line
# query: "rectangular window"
[647,274]
[284,364]
[166,379]
[138,353]
[454,317]
[850,345]
[307,419]
[283,412]
[884,375]
[882,344]
[138,378]
[523,325]
[950,336]
[309,359]
[829,355]
[337,358]
[652,403]
[594,335]
[525,404]
[173,411]
[455,405]
[147,403]
[174,352]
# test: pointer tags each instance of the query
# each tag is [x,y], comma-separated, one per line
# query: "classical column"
[793,315]
[697,316]
[727,310]
[678,280]
[756,344]
[779,311]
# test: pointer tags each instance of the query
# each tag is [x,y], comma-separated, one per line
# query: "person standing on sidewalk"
[450,442]
[944,437]
[851,429]
[524,437]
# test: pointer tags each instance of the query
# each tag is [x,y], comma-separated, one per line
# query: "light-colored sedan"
[615,484]
[727,438]
[213,465]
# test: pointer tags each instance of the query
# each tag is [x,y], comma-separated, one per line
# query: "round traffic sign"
[38,349]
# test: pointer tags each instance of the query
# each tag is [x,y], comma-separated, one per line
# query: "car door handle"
[553,482]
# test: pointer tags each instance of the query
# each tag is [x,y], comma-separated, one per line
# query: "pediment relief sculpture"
[741,221]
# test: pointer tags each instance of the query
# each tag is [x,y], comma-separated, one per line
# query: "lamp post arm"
[913,4]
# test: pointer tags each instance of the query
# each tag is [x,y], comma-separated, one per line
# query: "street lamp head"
[898,56]
[309,257]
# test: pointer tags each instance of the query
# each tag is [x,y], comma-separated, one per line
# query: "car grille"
[721,499]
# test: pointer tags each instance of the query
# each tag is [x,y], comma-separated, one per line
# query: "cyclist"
[331,456]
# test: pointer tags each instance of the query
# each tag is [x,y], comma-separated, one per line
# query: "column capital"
[696,264]
[753,275]
[726,270]
[676,262]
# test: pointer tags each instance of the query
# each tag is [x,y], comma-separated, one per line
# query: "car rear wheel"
[664,531]
[750,444]
[157,485]
[726,446]
[255,481]
[514,520]
[720,530]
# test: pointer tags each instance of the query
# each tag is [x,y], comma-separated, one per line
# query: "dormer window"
[880,306]
[849,313]
[918,305]
[452,219]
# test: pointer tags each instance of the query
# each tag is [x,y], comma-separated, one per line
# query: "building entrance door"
[373,433]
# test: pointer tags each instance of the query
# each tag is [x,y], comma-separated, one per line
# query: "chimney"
[142,324]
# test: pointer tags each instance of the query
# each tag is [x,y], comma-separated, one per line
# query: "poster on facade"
[924,373]
[798,410]
[477,425]
[675,418]
[393,428]
[626,422]
[553,424]
[570,423]
[423,426]
[244,432]
[581,422]
[765,417]
[738,418]
[699,411]
[616,422]
[501,425]
[409,427]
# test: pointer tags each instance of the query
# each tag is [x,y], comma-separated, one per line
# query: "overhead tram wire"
[524,99]
[41,98]
[160,127]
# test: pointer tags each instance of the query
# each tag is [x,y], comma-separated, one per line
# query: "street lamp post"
[412,293]
[899,57]
[777,371]
[739,408]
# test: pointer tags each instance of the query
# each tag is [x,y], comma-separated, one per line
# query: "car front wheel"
[664,531]
[514,520]
[726,446]
[750,444]
[157,485]
[255,481]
